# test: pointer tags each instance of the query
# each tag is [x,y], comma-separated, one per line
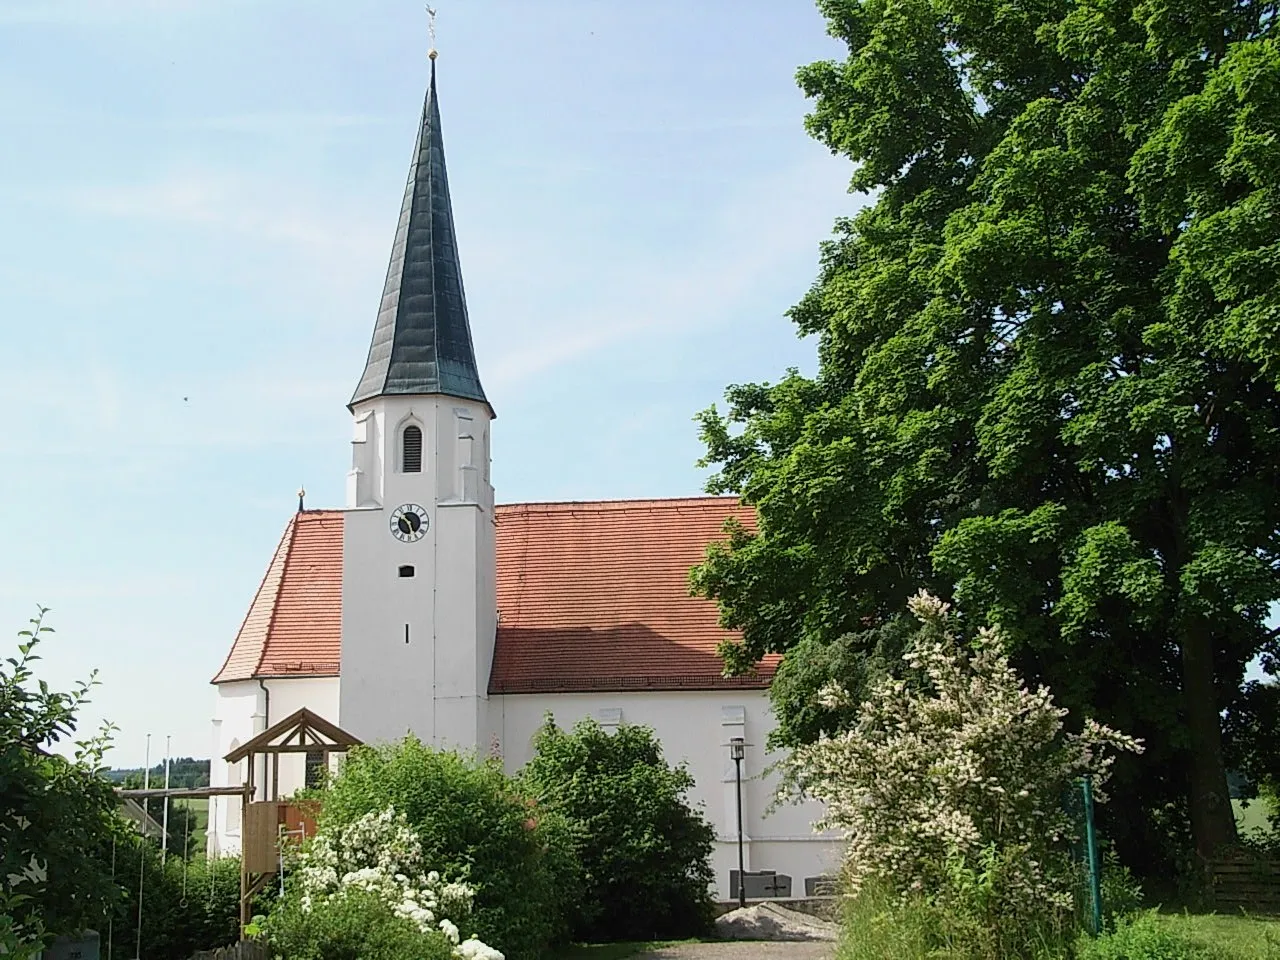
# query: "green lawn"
[1246,938]
[1252,816]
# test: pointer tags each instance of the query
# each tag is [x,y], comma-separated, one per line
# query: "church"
[423,606]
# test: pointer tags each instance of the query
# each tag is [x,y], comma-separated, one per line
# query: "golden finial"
[431,30]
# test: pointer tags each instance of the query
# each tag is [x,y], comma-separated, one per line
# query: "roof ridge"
[620,503]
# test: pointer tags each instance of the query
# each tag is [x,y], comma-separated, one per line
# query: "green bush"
[474,823]
[1144,936]
[55,811]
[177,918]
[645,853]
[358,926]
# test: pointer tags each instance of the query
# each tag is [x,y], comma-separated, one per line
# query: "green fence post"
[1091,841]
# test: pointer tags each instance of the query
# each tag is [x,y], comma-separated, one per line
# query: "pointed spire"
[422,340]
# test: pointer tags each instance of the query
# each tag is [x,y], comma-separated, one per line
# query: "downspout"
[266,725]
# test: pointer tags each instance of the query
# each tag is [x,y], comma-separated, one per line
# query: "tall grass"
[879,926]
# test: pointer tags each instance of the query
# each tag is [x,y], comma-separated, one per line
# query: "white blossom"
[964,760]
[381,854]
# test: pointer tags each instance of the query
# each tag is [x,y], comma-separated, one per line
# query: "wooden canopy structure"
[300,732]
[266,823]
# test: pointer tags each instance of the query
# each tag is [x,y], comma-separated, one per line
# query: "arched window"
[411,461]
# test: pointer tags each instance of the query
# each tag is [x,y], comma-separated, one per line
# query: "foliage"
[475,822]
[645,853]
[1049,351]
[57,815]
[184,772]
[186,905]
[880,924]
[1145,937]
[949,782]
[358,926]
[1121,894]
[380,855]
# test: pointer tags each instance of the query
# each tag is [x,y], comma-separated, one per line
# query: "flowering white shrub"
[951,765]
[379,853]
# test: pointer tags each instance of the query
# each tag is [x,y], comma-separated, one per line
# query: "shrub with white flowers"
[380,854]
[952,766]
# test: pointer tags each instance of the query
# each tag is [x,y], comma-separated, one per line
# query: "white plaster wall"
[412,648]
[240,714]
[694,727]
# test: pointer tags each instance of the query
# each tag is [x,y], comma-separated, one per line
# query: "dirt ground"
[743,950]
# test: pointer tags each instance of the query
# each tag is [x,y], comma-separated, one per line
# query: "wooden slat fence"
[244,950]
[1245,883]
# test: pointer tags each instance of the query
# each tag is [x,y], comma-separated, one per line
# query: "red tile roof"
[591,596]
[294,625]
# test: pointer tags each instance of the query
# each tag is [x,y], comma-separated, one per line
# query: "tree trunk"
[1213,822]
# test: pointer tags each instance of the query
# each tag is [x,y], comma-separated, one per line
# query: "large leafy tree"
[1049,358]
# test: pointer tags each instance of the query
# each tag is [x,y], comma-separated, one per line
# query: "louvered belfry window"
[412,449]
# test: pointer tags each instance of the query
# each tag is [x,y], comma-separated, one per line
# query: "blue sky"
[198,200]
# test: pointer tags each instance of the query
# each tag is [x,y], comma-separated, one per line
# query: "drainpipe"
[266,725]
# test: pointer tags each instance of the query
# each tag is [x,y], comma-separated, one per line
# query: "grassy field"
[199,829]
[1251,817]
[1245,938]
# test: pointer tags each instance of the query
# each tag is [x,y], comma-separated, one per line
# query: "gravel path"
[744,950]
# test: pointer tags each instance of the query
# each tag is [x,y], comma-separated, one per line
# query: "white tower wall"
[416,651]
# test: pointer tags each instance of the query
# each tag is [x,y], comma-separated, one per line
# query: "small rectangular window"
[406,570]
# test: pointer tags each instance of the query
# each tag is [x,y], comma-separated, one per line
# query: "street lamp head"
[737,748]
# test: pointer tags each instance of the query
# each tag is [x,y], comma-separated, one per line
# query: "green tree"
[645,852]
[1049,355]
[58,816]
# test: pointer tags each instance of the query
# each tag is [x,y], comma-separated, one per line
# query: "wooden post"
[244,864]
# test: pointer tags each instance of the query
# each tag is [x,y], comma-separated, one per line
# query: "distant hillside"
[184,772]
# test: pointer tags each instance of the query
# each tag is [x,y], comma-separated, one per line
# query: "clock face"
[409,523]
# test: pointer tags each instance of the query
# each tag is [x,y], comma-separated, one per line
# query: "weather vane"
[431,30]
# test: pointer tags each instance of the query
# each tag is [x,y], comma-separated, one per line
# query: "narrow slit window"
[412,459]
[406,570]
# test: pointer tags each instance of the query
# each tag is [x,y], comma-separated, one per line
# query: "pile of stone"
[770,921]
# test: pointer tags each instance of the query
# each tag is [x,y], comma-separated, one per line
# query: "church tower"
[418,555]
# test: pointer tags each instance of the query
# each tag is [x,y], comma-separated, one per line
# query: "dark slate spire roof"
[422,341]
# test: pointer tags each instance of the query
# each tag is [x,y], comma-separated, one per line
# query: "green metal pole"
[1091,839]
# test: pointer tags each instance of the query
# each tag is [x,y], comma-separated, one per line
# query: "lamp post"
[738,750]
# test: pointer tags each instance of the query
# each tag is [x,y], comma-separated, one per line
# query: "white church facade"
[425,607]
